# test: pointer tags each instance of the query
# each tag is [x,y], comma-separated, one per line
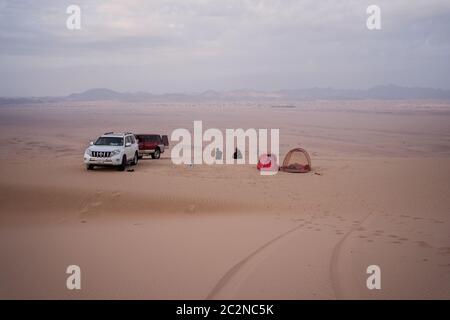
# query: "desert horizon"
[378,92]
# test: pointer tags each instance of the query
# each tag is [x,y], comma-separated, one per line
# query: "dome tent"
[297,161]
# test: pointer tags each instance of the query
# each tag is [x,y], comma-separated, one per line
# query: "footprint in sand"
[96,204]
[116,194]
[444,250]
[190,209]
[424,244]
[89,204]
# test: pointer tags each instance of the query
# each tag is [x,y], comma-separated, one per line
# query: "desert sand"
[379,193]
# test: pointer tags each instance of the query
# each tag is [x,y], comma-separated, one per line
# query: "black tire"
[90,167]
[135,159]
[123,165]
[156,154]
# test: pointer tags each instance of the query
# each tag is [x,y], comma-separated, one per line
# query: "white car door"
[135,144]
[129,148]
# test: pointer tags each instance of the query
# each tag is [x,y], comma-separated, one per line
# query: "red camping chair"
[267,162]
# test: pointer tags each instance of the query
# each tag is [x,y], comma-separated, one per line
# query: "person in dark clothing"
[237,154]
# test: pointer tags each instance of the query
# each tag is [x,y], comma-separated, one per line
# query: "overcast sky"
[195,45]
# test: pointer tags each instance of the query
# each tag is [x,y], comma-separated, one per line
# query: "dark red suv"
[152,145]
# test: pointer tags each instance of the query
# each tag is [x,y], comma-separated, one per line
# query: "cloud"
[193,44]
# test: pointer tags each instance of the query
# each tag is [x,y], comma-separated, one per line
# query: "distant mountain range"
[389,92]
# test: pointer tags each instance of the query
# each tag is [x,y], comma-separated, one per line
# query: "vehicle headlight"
[115,152]
[89,152]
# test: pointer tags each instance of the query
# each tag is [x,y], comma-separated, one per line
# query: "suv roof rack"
[118,133]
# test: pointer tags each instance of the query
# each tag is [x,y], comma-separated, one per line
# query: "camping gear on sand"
[297,161]
[267,162]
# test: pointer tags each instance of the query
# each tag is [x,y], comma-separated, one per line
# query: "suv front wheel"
[123,165]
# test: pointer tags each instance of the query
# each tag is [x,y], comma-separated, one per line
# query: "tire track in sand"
[234,270]
[232,273]
[334,272]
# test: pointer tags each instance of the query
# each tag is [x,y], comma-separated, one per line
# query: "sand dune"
[378,194]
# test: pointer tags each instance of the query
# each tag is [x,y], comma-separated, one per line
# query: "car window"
[109,141]
[132,139]
[127,139]
[149,138]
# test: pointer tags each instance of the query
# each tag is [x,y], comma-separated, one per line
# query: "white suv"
[112,149]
